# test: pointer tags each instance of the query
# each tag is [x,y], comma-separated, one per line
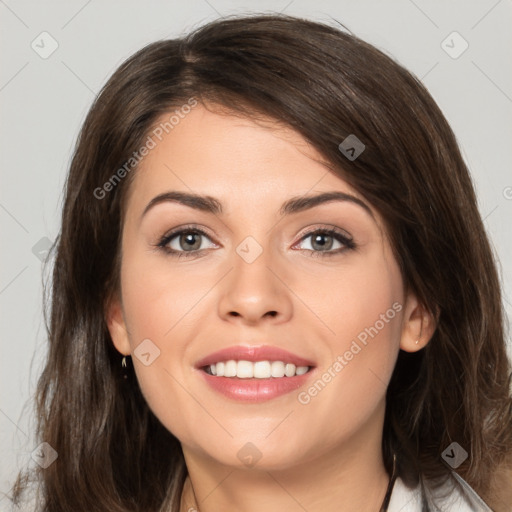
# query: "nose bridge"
[251,273]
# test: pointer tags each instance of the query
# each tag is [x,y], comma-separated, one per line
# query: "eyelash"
[336,234]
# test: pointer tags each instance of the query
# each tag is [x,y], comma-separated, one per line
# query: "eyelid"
[326,228]
[189,226]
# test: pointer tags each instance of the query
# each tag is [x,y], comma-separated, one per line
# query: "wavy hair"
[113,453]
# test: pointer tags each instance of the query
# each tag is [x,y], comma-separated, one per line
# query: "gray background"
[44,101]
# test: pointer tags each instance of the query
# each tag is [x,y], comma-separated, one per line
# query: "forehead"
[233,158]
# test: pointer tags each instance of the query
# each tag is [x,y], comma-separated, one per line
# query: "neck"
[349,478]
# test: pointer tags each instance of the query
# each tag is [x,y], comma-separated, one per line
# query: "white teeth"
[258,370]
[277,369]
[301,370]
[230,368]
[262,370]
[244,370]
[289,370]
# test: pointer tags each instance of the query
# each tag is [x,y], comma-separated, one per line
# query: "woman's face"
[259,276]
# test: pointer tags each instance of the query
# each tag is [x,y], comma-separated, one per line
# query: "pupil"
[189,239]
[322,245]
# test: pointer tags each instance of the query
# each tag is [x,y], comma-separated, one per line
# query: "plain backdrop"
[56,56]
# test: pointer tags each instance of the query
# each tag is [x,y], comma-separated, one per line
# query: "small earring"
[123,365]
[417,341]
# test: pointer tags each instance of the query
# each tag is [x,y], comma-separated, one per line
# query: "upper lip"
[254,353]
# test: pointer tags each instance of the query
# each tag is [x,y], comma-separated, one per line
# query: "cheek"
[364,313]
[355,300]
[161,307]
[370,324]
[157,296]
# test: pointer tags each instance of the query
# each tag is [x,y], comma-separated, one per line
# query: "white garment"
[449,498]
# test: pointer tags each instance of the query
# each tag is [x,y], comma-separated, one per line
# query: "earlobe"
[117,327]
[418,325]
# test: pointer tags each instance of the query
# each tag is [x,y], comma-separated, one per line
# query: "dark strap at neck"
[387,497]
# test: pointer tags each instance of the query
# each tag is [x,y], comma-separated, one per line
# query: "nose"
[255,292]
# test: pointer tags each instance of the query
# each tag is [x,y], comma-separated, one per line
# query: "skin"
[321,456]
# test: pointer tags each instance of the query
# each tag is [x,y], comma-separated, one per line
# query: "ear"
[117,326]
[418,325]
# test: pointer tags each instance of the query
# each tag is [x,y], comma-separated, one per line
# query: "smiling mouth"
[265,369]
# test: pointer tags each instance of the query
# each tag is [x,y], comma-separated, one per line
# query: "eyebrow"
[211,205]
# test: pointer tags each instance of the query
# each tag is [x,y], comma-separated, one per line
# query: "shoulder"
[455,495]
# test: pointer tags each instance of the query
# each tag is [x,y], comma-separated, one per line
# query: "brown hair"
[113,453]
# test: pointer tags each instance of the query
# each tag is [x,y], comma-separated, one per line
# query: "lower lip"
[255,390]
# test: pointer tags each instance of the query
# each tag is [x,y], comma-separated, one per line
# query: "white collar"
[449,498]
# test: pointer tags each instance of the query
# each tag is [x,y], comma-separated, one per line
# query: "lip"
[254,390]
[253,354]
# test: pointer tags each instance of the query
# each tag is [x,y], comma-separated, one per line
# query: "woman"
[272,289]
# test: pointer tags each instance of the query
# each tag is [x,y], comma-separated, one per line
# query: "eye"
[188,242]
[185,242]
[322,241]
